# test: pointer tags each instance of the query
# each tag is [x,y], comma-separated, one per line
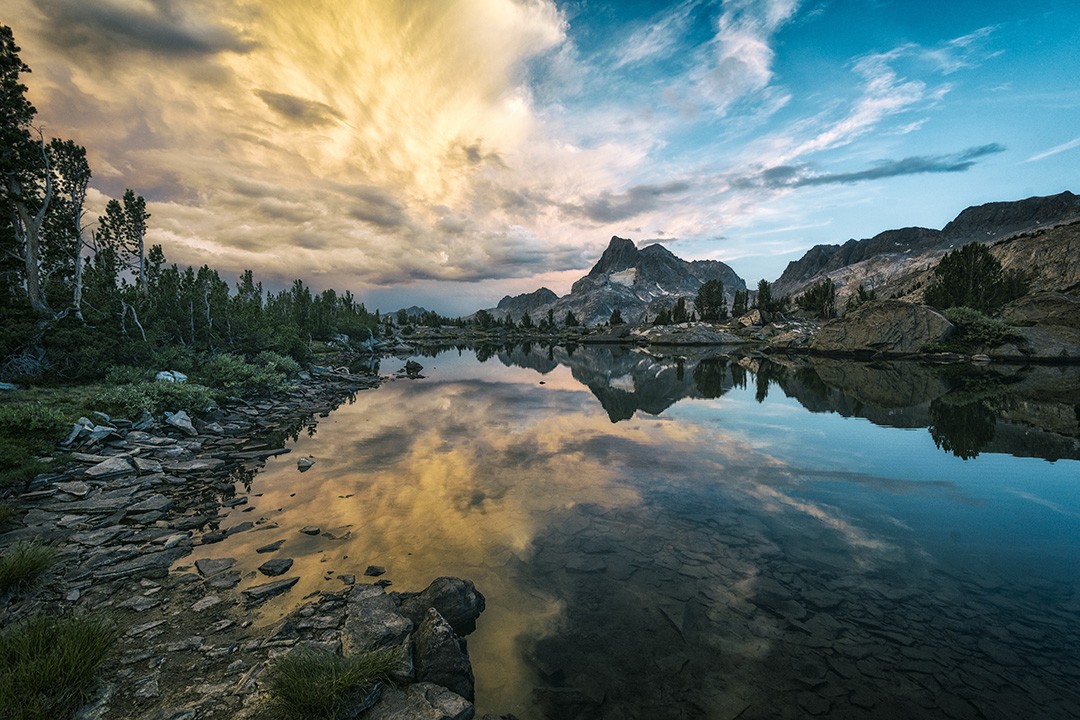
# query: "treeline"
[75,300]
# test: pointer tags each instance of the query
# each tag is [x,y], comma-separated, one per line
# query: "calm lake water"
[719,537]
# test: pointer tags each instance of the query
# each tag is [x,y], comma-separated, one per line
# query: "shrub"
[236,376]
[7,513]
[977,330]
[26,429]
[819,299]
[127,375]
[309,684]
[278,363]
[133,400]
[31,420]
[24,563]
[48,665]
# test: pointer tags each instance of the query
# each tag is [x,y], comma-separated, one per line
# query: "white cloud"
[1063,147]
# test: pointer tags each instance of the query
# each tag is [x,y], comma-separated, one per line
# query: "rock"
[262,593]
[147,565]
[890,327]
[207,602]
[304,464]
[1045,342]
[275,567]
[78,489]
[413,368]
[193,466]
[154,503]
[173,376]
[147,466]
[457,600]
[311,530]
[754,318]
[374,571]
[441,656]
[212,566]
[690,334]
[110,467]
[421,701]
[181,422]
[1045,308]
[8,386]
[224,580]
[372,621]
[276,545]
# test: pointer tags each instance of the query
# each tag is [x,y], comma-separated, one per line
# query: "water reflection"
[677,537]
[960,405]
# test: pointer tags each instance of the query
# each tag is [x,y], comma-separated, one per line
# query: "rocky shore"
[130,500]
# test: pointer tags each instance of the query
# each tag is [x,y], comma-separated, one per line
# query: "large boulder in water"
[457,600]
[442,657]
[890,327]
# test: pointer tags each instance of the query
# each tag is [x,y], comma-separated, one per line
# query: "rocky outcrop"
[1046,308]
[690,334]
[884,327]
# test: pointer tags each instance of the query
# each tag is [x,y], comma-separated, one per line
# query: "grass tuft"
[48,665]
[24,563]
[7,513]
[313,684]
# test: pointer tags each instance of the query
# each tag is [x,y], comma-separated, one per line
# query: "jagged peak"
[621,254]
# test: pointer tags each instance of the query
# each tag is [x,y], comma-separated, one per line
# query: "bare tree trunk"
[125,309]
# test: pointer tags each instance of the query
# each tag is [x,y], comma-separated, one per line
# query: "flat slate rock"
[212,566]
[275,567]
[311,530]
[375,571]
[196,465]
[76,488]
[262,593]
[272,547]
[112,466]
[224,580]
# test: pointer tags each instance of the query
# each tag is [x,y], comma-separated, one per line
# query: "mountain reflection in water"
[699,545]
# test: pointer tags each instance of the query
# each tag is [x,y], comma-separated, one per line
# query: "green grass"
[311,684]
[48,665]
[24,563]
[7,513]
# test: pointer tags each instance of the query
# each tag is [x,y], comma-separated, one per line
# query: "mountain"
[637,282]
[527,302]
[893,262]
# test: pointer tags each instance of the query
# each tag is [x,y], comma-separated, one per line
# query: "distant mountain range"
[637,282]
[894,262]
[1037,234]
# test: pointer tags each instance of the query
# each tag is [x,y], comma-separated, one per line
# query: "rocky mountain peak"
[621,254]
[998,219]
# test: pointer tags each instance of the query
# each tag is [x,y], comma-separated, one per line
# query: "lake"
[698,536]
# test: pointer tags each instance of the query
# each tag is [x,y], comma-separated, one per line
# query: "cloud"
[1063,147]
[793,176]
[742,51]
[308,112]
[104,28]
[657,38]
[608,207]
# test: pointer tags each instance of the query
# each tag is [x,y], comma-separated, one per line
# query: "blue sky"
[448,152]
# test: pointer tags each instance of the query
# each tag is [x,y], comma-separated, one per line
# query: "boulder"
[441,656]
[372,621]
[1045,308]
[181,422]
[261,593]
[413,368]
[110,467]
[889,327]
[421,701]
[458,602]
[173,376]
[275,567]
[754,317]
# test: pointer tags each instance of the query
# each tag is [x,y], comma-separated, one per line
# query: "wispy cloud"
[1063,147]
[793,176]
[658,37]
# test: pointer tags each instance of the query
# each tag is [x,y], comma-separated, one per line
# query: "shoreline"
[132,504]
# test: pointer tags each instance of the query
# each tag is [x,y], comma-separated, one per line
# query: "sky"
[445,153]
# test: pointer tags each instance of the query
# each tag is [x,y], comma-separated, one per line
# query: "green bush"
[236,376]
[31,420]
[312,684]
[24,563]
[131,401]
[48,665]
[26,429]
[127,375]
[978,330]
[278,363]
